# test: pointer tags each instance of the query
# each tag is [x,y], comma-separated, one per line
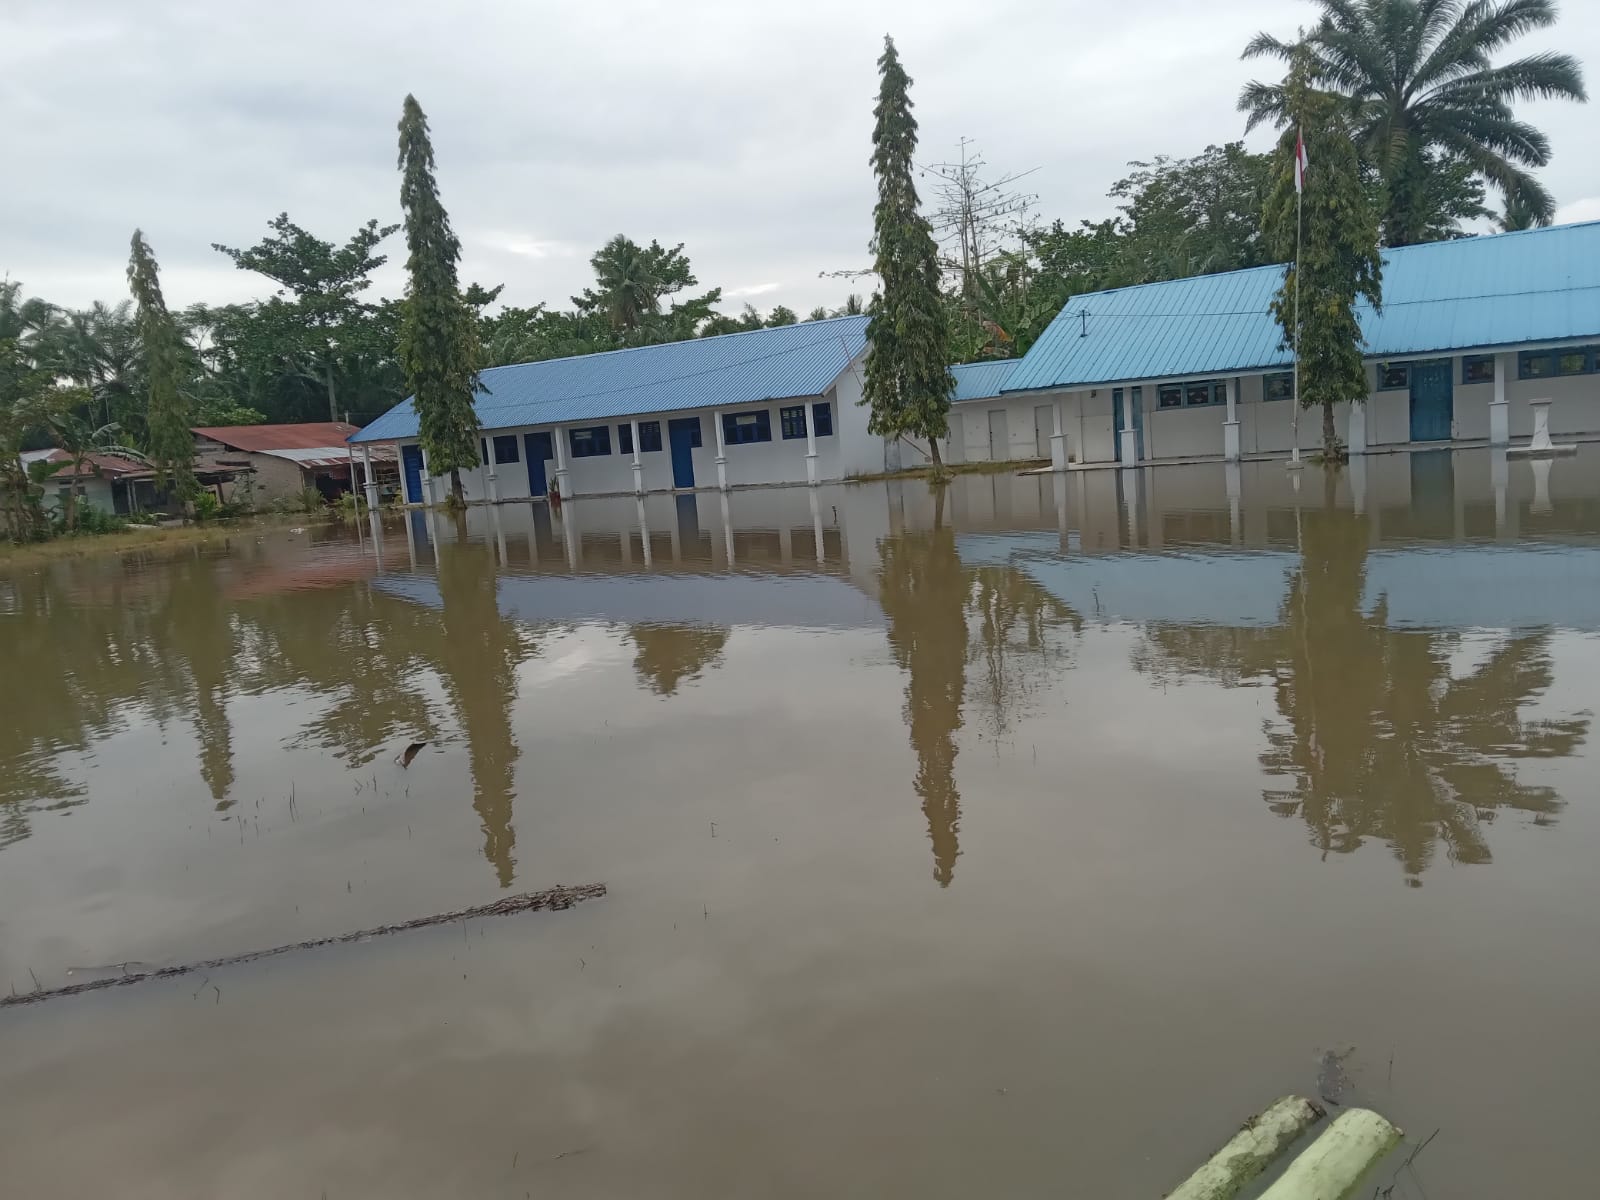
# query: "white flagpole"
[1299,224]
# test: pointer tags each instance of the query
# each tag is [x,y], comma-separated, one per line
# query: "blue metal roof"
[981,381]
[733,368]
[1538,285]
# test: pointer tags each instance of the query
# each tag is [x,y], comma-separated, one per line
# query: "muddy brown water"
[1019,840]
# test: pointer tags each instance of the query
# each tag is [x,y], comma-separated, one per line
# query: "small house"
[283,461]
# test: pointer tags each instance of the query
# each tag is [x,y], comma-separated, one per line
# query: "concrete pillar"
[563,476]
[1358,483]
[1499,409]
[1541,425]
[1356,439]
[722,450]
[1500,479]
[1058,436]
[499,534]
[727,529]
[1230,427]
[816,528]
[569,534]
[427,481]
[1130,495]
[1541,485]
[376,526]
[1130,448]
[811,446]
[644,529]
[638,466]
[372,484]
[1058,483]
[1235,519]
[491,485]
[1129,434]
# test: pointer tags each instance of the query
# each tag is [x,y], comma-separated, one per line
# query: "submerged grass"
[1009,467]
[134,539]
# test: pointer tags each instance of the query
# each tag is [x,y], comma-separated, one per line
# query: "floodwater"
[1019,839]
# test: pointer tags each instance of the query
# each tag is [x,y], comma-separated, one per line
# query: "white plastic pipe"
[1332,1168]
[1250,1151]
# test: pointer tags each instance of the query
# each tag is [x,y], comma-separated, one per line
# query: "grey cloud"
[739,129]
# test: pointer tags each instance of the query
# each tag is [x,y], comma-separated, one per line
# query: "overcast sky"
[740,129]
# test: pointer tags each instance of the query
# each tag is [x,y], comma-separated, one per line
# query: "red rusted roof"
[257,439]
[106,465]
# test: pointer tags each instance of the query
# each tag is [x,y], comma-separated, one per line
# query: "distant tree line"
[1408,84]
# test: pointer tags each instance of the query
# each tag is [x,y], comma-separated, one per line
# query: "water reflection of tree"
[1378,738]
[477,659]
[197,625]
[103,645]
[943,616]
[923,594]
[361,649]
[669,654]
[1012,614]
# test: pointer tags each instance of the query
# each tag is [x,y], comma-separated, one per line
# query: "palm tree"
[100,352]
[631,281]
[1424,94]
[1517,215]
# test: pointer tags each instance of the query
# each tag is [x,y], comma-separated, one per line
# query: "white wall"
[969,429]
[93,490]
[779,461]
[1265,426]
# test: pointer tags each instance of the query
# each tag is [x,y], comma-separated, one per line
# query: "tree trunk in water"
[1330,436]
[456,491]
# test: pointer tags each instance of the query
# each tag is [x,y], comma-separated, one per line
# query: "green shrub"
[207,507]
[89,520]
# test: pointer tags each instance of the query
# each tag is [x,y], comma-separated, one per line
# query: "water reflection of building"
[676,574]
[1356,601]
[978,589]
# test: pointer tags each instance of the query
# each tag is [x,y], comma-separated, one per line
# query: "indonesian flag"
[1301,162]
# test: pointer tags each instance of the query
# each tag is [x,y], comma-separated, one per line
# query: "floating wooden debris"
[554,899]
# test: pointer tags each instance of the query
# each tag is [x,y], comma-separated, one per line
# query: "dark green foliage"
[317,328]
[169,443]
[1339,259]
[438,330]
[632,280]
[1178,217]
[1425,100]
[908,380]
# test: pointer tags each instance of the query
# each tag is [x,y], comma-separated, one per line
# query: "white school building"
[1471,334]
[771,406]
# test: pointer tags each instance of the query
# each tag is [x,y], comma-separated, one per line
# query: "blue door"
[684,433]
[1432,402]
[411,464]
[536,449]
